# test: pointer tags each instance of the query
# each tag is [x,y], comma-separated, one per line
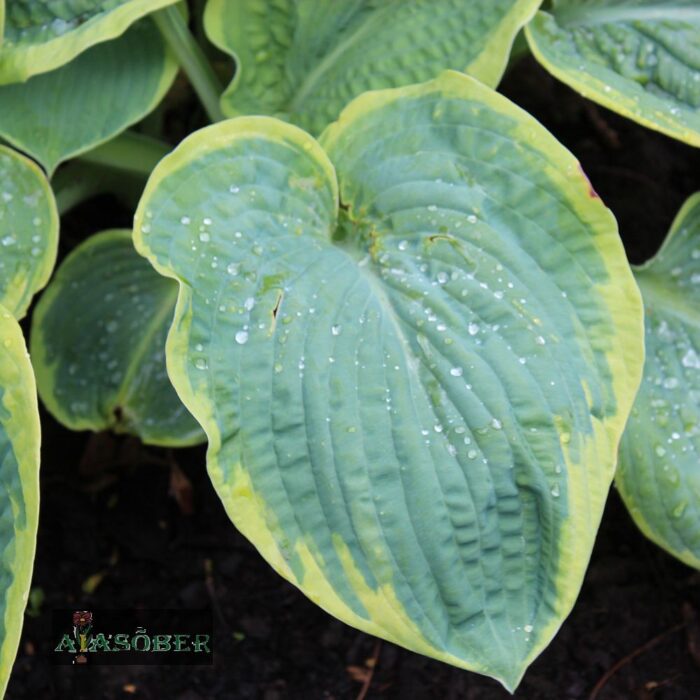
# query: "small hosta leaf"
[28,231]
[19,486]
[306,59]
[98,345]
[40,36]
[640,58]
[413,393]
[659,472]
[93,98]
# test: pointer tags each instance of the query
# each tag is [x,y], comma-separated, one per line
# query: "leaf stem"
[129,151]
[77,182]
[189,54]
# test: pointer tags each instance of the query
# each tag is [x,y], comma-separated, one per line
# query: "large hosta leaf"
[19,486]
[413,397]
[91,99]
[28,231]
[640,58]
[40,36]
[98,344]
[659,473]
[305,59]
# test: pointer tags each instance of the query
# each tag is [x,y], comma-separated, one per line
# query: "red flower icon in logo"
[82,618]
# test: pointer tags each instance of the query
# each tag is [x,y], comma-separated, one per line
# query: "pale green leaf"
[306,59]
[40,36]
[19,486]
[414,393]
[28,231]
[640,58]
[98,345]
[659,472]
[58,115]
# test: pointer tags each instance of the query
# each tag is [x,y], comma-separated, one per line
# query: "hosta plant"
[390,301]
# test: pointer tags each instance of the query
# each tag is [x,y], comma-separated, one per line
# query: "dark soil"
[112,521]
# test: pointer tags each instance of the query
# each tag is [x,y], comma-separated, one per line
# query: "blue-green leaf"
[640,58]
[28,231]
[305,59]
[93,98]
[19,486]
[40,36]
[413,347]
[659,472]
[101,364]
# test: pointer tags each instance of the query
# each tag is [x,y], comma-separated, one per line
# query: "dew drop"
[691,359]
[242,337]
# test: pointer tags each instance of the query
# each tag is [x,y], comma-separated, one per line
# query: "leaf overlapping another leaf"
[305,60]
[97,95]
[42,36]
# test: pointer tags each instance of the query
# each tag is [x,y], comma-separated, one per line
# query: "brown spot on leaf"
[591,192]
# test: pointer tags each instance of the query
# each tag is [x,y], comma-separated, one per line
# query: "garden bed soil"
[142,527]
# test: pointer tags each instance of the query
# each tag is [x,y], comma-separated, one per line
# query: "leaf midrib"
[314,77]
[165,307]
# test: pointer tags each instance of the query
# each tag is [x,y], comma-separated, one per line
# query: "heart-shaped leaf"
[40,36]
[413,394]
[19,491]
[93,98]
[305,59]
[659,473]
[98,345]
[640,58]
[28,231]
